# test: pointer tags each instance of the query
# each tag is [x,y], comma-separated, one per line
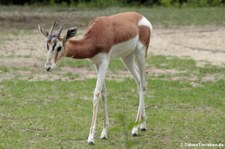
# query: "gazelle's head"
[55,44]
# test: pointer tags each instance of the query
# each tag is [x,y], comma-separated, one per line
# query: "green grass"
[172,62]
[4,69]
[57,114]
[75,63]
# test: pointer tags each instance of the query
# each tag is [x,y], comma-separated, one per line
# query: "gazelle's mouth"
[50,67]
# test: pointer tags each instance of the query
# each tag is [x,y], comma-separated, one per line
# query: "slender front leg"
[103,66]
[106,117]
[104,102]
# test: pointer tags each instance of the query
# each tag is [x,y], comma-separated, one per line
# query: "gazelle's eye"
[59,49]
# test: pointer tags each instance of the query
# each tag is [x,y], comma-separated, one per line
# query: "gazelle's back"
[109,31]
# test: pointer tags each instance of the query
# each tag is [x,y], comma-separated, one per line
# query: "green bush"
[109,3]
[214,2]
[165,3]
[203,3]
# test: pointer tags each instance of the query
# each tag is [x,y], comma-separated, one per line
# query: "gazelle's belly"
[124,48]
[119,50]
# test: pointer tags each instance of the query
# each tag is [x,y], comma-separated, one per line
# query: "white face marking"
[54,53]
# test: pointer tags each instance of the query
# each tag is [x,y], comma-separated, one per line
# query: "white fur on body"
[132,53]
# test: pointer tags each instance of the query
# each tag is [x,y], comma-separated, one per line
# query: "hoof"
[134,131]
[90,140]
[143,129]
[91,143]
[104,138]
[104,134]
[134,134]
[143,126]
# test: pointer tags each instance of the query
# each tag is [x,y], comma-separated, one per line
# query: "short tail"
[149,38]
[145,32]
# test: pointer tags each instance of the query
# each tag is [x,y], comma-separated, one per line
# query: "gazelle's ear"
[44,32]
[71,32]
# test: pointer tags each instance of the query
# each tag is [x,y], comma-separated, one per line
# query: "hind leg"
[129,61]
[141,115]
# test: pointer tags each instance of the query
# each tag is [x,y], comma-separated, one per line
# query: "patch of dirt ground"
[203,44]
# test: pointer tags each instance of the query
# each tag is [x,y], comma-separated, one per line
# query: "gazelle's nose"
[48,68]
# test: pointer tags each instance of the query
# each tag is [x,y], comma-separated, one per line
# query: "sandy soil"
[205,45]
[26,48]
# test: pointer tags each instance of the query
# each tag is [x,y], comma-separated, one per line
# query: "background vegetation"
[108,3]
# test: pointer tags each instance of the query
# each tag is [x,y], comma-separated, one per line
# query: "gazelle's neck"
[80,49]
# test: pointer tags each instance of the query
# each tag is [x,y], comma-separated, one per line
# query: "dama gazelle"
[124,35]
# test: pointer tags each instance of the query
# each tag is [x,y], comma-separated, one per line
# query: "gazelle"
[124,35]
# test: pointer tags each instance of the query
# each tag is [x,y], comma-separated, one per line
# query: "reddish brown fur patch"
[114,29]
[80,49]
[103,33]
[144,36]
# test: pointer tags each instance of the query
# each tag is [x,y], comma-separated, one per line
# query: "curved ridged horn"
[60,28]
[52,28]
